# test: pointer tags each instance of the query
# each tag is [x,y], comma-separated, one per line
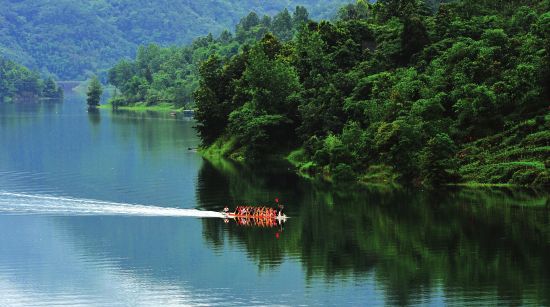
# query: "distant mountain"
[71,39]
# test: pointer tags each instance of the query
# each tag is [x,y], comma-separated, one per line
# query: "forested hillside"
[392,92]
[72,39]
[18,82]
[171,75]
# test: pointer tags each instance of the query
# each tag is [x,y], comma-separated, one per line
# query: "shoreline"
[163,108]
[376,175]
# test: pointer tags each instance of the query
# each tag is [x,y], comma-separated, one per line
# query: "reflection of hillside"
[472,242]
[155,131]
[247,185]
[21,114]
[94,117]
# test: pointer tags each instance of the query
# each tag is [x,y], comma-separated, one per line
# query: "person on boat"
[226,210]
[280,211]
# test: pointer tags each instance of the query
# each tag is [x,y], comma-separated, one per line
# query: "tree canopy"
[171,75]
[73,40]
[393,89]
[427,92]
[17,81]
[95,90]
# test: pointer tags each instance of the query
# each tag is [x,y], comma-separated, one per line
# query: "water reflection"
[351,246]
[473,244]
[155,131]
[26,112]
[60,149]
[94,116]
[67,261]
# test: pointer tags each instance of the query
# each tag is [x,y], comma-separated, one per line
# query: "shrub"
[343,173]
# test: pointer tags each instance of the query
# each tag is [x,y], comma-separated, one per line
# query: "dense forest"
[171,75]
[75,39]
[18,82]
[395,91]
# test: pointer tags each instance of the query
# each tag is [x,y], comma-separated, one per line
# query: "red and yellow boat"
[252,212]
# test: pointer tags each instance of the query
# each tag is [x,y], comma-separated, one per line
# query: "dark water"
[69,234]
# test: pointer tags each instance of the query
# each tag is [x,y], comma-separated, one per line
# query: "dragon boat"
[255,213]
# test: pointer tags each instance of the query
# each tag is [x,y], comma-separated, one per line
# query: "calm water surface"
[62,170]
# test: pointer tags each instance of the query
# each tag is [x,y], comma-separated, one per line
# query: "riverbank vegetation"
[408,91]
[18,82]
[393,91]
[95,90]
[142,107]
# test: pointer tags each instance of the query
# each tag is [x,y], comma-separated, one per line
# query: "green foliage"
[51,89]
[411,90]
[380,174]
[214,100]
[518,155]
[343,173]
[18,82]
[94,93]
[171,75]
[266,119]
[74,39]
[437,160]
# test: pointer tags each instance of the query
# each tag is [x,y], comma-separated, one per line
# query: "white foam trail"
[16,203]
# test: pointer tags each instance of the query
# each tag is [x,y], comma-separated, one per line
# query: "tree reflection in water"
[471,242]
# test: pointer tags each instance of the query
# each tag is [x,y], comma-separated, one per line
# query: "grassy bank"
[223,148]
[374,175]
[473,184]
[142,107]
[518,156]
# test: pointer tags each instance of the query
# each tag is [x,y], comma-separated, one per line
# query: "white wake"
[16,203]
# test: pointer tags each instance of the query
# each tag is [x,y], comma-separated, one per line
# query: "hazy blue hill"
[71,38]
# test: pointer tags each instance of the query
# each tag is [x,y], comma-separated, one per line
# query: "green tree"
[250,21]
[282,25]
[121,73]
[413,38]
[268,118]
[300,17]
[359,10]
[94,93]
[388,88]
[437,161]
[51,90]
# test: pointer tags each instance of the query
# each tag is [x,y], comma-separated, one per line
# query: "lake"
[94,210]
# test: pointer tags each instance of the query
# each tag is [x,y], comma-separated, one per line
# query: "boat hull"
[249,216]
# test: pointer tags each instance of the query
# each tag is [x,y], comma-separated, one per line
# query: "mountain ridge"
[73,40]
